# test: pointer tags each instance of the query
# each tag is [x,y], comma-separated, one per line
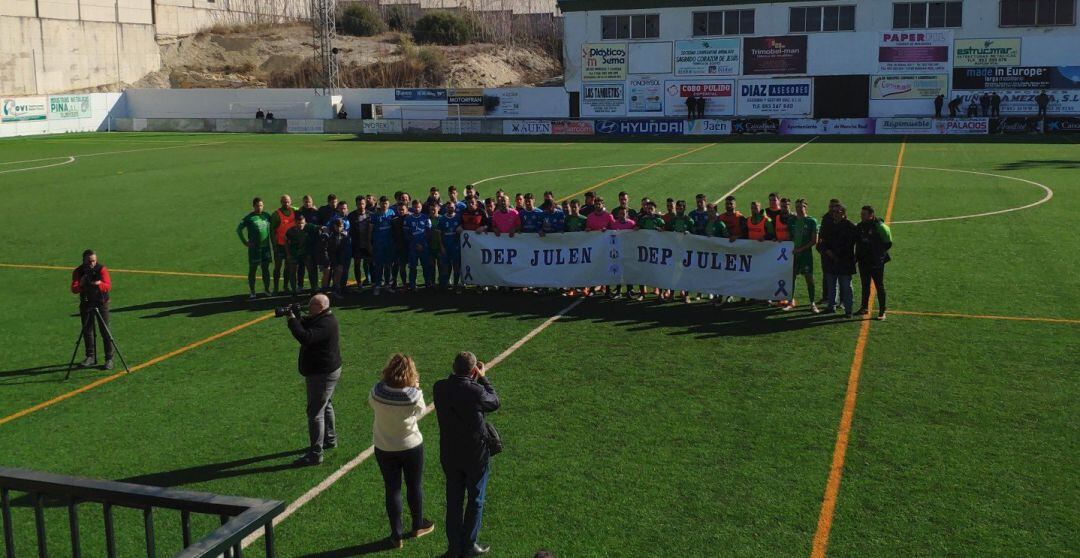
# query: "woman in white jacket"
[398,403]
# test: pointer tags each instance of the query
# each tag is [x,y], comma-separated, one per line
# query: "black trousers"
[877,275]
[393,464]
[89,322]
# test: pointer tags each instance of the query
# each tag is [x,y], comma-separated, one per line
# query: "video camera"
[290,310]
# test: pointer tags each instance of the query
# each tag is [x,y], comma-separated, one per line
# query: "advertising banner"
[457,127]
[602,100]
[1022,101]
[419,94]
[775,97]
[719,96]
[986,52]
[22,109]
[69,106]
[774,55]
[707,57]
[909,87]
[422,126]
[964,126]
[899,126]
[469,102]
[707,127]
[1063,125]
[382,127]
[1017,77]
[645,94]
[527,127]
[572,128]
[603,61]
[303,126]
[755,126]
[830,126]
[913,52]
[1016,125]
[759,270]
[649,127]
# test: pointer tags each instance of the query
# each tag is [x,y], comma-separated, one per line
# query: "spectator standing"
[838,259]
[699,103]
[461,403]
[873,241]
[92,283]
[954,107]
[398,404]
[1042,100]
[995,105]
[259,114]
[939,103]
[691,108]
[320,365]
[984,103]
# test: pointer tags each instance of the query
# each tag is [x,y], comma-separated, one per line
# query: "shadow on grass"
[1040,164]
[357,550]
[702,319]
[34,371]
[192,475]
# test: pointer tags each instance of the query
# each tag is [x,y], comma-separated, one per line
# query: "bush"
[399,18]
[443,28]
[360,20]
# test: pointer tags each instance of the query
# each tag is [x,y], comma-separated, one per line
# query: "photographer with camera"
[92,283]
[466,444]
[320,365]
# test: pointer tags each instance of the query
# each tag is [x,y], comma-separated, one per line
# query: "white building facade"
[821,59]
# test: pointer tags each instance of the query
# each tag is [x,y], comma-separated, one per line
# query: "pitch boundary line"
[68,161]
[367,453]
[985,317]
[134,369]
[767,167]
[119,270]
[111,153]
[843,433]
[607,181]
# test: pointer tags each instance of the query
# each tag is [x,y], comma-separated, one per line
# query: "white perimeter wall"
[226,103]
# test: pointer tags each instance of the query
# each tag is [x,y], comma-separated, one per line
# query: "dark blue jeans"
[463,525]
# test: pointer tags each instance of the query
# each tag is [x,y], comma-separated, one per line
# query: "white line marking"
[367,453]
[762,171]
[68,161]
[111,153]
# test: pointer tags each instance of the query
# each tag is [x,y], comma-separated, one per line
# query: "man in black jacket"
[838,259]
[460,404]
[872,242]
[320,365]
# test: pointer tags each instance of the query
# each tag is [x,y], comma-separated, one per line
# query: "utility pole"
[324,54]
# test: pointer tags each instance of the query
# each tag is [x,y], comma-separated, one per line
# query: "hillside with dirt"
[274,56]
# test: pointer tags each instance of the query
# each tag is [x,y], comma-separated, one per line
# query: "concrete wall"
[226,103]
[184,17]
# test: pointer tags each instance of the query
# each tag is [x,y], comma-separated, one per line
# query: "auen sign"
[640,127]
[527,127]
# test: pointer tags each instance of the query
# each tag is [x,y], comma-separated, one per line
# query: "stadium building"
[853,59]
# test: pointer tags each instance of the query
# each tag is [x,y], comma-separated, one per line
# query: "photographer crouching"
[320,365]
[91,282]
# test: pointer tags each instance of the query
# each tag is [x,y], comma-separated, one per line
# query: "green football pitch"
[632,428]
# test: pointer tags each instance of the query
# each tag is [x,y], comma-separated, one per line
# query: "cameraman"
[320,364]
[91,282]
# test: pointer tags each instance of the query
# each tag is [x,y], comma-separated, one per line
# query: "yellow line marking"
[134,369]
[836,470]
[985,317]
[141,271]
[633,172]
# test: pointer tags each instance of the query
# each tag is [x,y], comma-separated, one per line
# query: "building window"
[927,15]
[645,26]
[822,18]
[1037,13]
[726,22]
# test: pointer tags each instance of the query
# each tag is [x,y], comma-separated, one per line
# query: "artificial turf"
[633,429]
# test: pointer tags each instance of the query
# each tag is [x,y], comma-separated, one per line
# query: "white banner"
[1018,102]
[603,100]
[527,127]
[745,268]
[303,126]
[718,94]
[914,52]
[707,127]
[21,109]
[775,97]
[708,57]
[645,95]
[382,126]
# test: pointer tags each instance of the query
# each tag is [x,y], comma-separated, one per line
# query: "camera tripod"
[89,323]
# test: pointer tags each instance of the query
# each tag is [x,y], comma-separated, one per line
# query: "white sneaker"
[787,308]
[814,308]
[881,317]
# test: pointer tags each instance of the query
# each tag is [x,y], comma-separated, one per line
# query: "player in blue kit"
[382,243]
[417,227]
[531,216]
[449,229]
[552,217]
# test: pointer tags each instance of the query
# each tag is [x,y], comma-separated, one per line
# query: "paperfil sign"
[603,61]
[774,55]
[986,52]
[906,52]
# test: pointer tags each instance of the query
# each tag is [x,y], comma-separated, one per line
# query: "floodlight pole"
[324,35]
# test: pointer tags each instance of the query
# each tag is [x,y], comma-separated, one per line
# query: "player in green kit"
[648,220]
[804,232]
[575,221]
[254,232]
[298,257]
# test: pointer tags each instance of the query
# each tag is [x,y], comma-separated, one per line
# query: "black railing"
[239,516]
